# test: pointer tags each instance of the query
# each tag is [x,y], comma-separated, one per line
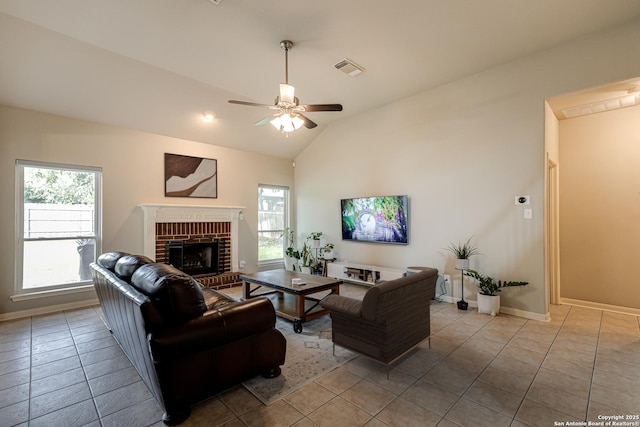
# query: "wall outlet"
[243,263]
[447,278]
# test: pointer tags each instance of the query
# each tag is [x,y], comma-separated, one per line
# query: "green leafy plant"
[314,235]
[463,250]
[306,256]
[291,252]
[289,235]
[488,286]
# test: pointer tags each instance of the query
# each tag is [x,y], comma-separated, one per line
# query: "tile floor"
[65,369]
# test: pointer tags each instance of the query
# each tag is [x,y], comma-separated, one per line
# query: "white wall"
[461,152]
[133,172]
[600,207]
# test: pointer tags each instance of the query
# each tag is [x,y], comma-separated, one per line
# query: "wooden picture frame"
[188,176]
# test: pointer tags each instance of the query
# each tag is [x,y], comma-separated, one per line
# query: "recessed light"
[208,116]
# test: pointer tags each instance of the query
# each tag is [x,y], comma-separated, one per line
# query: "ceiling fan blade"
[322,107]
[308,123]
[264,121]
[251,104]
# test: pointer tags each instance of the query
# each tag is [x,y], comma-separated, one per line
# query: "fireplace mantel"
[159,213]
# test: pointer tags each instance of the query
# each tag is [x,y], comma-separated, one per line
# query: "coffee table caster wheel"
[297,326]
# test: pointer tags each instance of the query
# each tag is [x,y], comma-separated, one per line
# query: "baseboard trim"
[601,306]
[526,314]
[506,310]
[48,309]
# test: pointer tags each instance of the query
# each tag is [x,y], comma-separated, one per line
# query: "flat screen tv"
[375,219]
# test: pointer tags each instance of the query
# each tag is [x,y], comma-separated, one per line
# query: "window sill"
[52,292]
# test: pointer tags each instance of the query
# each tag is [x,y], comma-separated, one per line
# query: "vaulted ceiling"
[157,65]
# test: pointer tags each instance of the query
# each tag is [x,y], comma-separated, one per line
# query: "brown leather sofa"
[392,318]
[186,343]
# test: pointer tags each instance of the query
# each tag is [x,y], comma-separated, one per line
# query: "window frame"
[286,221]
[20,293]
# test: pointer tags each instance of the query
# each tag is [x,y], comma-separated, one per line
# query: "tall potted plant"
[307,258]
[291,254]
[488,297]
[463,251]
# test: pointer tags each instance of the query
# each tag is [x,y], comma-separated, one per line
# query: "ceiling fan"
[288,116]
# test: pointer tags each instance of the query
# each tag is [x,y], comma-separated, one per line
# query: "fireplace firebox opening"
[195,257]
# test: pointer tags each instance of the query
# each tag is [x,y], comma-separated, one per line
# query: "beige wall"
[132,164]
[600,207]
[461,152]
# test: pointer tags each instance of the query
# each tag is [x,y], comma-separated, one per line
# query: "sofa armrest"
[216,327]
[342,304]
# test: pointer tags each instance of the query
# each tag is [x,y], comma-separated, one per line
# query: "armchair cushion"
[342,304]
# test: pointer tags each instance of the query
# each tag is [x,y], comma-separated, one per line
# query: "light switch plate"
[528,213]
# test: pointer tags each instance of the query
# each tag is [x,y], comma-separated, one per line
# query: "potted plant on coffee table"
[463,251]
[488,297]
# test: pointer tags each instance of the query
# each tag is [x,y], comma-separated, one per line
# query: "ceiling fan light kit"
[287,123]
[289,116]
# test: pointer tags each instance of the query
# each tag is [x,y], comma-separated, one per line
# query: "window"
[273,217]
[58,211]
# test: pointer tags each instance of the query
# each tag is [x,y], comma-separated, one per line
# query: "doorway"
[598,149]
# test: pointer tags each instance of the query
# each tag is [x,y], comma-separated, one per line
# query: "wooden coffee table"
[291,302]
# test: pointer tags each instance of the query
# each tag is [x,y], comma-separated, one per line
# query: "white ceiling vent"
[349,67]
[598,107]
[215,1]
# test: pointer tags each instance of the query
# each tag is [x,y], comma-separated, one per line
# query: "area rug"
[309,356]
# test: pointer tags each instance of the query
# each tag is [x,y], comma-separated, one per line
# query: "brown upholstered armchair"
[392,318]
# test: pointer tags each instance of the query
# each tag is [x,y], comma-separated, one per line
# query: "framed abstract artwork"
[187,176]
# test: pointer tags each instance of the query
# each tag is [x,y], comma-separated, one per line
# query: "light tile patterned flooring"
[65,369]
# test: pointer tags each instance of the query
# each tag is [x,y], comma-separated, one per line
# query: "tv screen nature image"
[375,219]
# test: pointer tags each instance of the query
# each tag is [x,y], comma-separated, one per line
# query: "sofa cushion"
[109,259]
[128,264]
[177,295]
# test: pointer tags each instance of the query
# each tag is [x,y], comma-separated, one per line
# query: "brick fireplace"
[173,223]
